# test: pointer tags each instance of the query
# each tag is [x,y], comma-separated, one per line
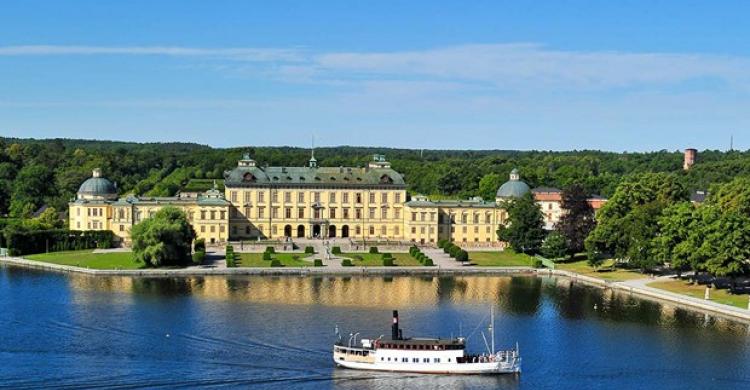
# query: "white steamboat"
[424,355]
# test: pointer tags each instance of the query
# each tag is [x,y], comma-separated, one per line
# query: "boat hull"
[489,368]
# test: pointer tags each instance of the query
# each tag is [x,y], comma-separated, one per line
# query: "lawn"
[506,258]
[89,259]
[286,259]
[376,259]
[605,271]
[698,291]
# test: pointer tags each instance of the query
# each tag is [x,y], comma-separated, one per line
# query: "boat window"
[382,358]
[449,360]
[405,360]
[436,360]
[415,360]
[389,359]
[426,360]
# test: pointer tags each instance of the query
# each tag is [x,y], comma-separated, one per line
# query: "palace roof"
[252,176]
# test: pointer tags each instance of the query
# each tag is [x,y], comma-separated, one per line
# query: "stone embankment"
[636,287]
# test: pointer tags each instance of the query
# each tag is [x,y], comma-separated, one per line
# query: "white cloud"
[240,54]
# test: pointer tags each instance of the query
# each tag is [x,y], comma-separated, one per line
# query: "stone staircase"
[441,259]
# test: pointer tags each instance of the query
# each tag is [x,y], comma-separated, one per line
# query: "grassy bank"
[506,258]
[376,259]
[606,271]
[286,259]
[89,259]
[698,291]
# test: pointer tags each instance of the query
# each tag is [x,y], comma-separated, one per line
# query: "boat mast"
[492,327]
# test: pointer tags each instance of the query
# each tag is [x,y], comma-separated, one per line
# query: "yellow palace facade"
[359,203]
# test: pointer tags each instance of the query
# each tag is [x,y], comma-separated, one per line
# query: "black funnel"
[395,331]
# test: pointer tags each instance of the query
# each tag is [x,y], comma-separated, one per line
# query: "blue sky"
[561,75]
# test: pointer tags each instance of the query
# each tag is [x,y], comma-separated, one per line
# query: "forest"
[34,173]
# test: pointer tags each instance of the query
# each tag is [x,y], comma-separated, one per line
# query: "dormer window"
[248,177]
[385,179]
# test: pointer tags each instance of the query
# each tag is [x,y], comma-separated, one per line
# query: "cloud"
[240,54]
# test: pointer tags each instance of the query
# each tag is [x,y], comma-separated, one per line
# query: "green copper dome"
[513,188]
[97,186]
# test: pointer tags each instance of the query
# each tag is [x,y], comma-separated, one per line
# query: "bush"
[267,256]
[229,249]
[309,250]
[269,249]
[346,263]
[413,251]
[318,262]
[454,251]
[230,260]
[336,250]
[198,257]
[276,263]
[386,256]
[462,255]
[442,243]
[537,263]
[428,262]
[388,262]
[199,245]
[22,242]
[373,249]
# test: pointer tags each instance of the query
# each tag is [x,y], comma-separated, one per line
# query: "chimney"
[395,331]
[689,160]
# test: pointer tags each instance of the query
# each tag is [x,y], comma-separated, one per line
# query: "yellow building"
[315,202]
[261,202]
[97,208]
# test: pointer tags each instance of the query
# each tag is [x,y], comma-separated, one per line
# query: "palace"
[261,202]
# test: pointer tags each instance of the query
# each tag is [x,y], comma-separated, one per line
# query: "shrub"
[454,250]
[269,249]
[199,245]
[336,250]
[276,263]
[386,256]
[413,251]
[198,257]
[318,262]
[374,249]
[537,263]
[230,260]
[442,243]
[462,255]
[229,249]
[428,262]
[267,256]
[23,242]
[309,249]
[346,263]
[388,262]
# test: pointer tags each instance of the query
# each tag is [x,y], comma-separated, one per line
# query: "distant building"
[698,196]
[550,202]
[689,158]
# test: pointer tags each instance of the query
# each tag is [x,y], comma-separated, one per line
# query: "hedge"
[346,263]
[198,257]
[270,249]
[386,256]
[336,250]
[374,249]
[428,262]
[309,249]
[199,245]
[276,263]
[266,256]
[21,242]
[318,262]
[388,262]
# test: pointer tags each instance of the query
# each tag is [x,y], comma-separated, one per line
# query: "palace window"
[274,196]
[247,211]
[78,225]
[346,197]
[233,196]
[398,197]
[384,212]
[358,213]
[247,196]
[421,230]
[273,229]
[261,212]
[372,212]
[476,229]
[213,214]
[372,197]
[288,197]
[301,212]
[332,213]
[332,197]
[221,228]
[464,229]
[357,230]
[487,229]
[346,213]
[413,216]
[316,196]
[395,230]
[358,197]
[261,196]
[397,213]
[203,214]
[413,230]
[372,230]
[213,229]
[383,231]
[300,197]
[203,229]
[275,212]
[422,217]
[476,218]
[288,213]
[223,214]
[121,213]
[463,218]
[384,197]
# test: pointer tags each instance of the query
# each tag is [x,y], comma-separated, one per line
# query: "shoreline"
[642,291]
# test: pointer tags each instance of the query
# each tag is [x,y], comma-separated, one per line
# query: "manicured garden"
[698,291]
[89,259]
[376,259]
[606,271]
[506,258]
[284,259]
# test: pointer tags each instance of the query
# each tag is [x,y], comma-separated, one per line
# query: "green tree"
[164,239]
[29,190]
[450,182]
[525,229]
[488,185]
[626,225]
[726,247]
[577,220]
[672,244]
[554,246]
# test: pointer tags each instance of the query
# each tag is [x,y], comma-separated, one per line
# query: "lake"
[276,332]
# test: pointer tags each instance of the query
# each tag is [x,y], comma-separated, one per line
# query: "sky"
[541,75]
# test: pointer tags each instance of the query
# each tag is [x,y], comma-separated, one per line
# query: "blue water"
[73,331]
